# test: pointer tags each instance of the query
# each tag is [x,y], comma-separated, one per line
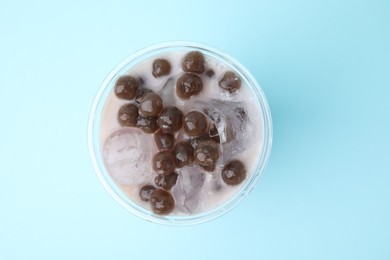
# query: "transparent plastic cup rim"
[94,130]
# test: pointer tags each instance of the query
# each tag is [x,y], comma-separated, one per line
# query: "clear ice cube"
[216,183]
[235,129]
[167,92]
[127,155]
[188,189]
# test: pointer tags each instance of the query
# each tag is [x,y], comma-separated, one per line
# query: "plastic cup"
[95,147]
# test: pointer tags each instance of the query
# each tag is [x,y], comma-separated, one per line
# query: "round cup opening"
[95,148]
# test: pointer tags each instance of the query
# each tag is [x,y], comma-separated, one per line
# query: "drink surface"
[235,116]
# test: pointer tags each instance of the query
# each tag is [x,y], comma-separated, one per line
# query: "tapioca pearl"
[210,73]
[170,119]
[183,153]
[193,62]
[162,201]
[195,123]
[163,162]
[164,141]
[206,154]
[147,124]
[161,67]
[234,172]
[127,115]
[166,181]
[146,192]
[230,82]
[140,93]
[125,87]
[188,85]
[151,105]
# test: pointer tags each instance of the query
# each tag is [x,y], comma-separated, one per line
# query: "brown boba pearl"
[164,141]
[140,93]
[234,172]
[127,115]
[193,62]
[230,82]
[206,154]
[188,85]
[147,124]
[183,153]
[166,181]
[170,119]
[125,87]
[162,201]
[195,123]
[151,105]
[210,73]
[163,162]
[145,192]
[161,67]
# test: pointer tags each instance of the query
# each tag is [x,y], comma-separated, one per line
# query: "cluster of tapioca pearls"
[148,113]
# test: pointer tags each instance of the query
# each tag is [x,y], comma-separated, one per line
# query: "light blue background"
[324,66]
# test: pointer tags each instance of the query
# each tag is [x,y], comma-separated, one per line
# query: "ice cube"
[127,156]
[235,129]
[216,182]
[188,189]
[167,92]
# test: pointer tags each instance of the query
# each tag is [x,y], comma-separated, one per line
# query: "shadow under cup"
[95,146]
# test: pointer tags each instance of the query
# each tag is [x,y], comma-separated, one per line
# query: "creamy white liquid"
[210,198]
